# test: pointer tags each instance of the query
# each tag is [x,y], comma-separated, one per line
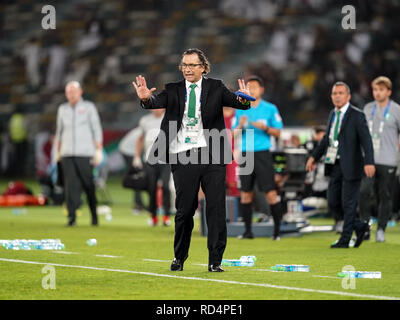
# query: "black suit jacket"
[354,137]
[214,96]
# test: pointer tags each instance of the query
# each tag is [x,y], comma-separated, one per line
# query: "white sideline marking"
[65,252]
[265,285]
[326,277]
[266,270]
[96,255]
[155,260]
[195,264]
[314,275]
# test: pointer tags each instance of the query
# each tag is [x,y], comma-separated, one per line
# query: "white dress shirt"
[178,143]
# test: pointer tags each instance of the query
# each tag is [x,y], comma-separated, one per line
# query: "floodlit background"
[298,47]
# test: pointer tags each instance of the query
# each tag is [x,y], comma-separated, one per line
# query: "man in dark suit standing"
[193,141]
[346,137]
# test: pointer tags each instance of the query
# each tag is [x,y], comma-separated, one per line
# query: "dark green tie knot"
[192,86]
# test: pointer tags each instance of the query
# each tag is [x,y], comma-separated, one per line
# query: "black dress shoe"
[340,245]
[360,234]
[177,265]
[215,268]
[70,224]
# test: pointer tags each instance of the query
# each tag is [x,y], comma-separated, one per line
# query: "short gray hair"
[341,83]
[74,83]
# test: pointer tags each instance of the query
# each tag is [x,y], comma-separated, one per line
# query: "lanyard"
[382,123]
[331,132]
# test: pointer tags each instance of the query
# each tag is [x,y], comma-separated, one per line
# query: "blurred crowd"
[300,49]
[303,59]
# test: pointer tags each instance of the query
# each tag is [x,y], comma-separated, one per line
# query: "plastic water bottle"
[15,245]
[23,244]
[244,261]
[249,258]
[248,261]
[391,223]
[291,268]
[19,211]
[360,274]
[230,263]
[4,243]
[91,242]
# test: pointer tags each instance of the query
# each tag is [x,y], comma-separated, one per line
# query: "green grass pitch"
[131,261]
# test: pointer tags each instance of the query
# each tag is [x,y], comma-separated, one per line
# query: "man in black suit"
[346,137]
[193,141]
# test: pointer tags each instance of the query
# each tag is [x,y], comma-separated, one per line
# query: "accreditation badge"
[192,129]
[376,141]
[332,152]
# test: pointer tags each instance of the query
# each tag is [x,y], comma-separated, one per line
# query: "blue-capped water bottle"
[24,245]
[291,268]
[247,261]
[230,263]
[360,274]
[4,243]
[91,242]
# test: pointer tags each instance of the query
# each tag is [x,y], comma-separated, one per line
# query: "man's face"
[256,90]
[73,94]
[319,135]
[340,96]
[380,92]
[192,68]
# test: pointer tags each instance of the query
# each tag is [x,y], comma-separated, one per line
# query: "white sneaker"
[380,236]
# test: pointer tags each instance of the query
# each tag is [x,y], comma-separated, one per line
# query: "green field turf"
[142,255]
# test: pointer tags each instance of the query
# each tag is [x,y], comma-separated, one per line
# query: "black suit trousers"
[343,196]
[187,180]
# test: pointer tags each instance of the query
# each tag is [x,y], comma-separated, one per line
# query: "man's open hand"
[142,91]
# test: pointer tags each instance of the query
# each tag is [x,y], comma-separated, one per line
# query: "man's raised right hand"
[142,91]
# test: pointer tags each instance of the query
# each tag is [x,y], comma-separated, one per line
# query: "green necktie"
[335,133]
[192,102]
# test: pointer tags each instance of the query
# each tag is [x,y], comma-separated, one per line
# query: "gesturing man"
[346,137]
[193,126]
